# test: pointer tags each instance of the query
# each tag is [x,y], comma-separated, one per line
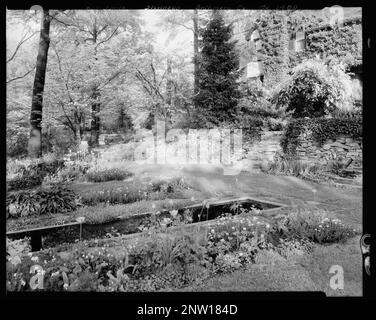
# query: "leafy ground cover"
[168,261]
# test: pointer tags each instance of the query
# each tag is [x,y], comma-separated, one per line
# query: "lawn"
[309,272]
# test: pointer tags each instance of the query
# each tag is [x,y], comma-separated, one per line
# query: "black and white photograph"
[185,150]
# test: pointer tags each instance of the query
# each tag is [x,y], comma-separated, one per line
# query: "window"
[297,41]
[254,69]
[255,36]
[300,41]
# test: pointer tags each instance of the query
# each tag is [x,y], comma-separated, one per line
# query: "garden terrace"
[132,222]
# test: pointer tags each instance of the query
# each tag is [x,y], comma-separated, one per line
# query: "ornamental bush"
[44,200]
[315,226]
[33,173]
[315,89]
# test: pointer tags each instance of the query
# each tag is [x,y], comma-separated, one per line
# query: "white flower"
[80,219]
[174,213]
[35,259]
[65,286]
[23,282]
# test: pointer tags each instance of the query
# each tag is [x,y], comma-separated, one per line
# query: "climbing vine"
[343,43]
[322,130]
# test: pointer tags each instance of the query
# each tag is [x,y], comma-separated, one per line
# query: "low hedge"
[322,129]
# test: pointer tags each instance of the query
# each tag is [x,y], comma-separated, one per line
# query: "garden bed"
[66,233]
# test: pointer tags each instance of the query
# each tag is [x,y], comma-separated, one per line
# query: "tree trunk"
[35,140]
[95,106]
[195,50]
[169,83]
[95,120]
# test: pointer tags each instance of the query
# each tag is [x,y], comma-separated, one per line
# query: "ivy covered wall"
[343,43]
[273,29]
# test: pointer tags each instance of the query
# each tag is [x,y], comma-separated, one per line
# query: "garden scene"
[184,150]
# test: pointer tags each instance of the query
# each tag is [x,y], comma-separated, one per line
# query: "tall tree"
[218,94]
[195,51]
[93,33]
[35,141]
[190,20]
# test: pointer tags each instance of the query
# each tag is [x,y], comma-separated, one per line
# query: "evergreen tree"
[218,87]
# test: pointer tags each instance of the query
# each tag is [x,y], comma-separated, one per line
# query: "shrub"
[285,165]
[33,173]
[169,185]
[315,89]
[107,175]
[275,124]
[16,248]
[56,199]
[17,143]
[315,226]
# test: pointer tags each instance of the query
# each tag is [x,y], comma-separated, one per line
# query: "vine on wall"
[322,129]
[275,27]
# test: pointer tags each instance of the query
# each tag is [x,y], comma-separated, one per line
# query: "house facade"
[276,41]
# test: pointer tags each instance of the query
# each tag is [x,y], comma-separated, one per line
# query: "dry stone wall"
[341,148]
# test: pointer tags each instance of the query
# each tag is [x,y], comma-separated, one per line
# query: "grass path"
[345,204]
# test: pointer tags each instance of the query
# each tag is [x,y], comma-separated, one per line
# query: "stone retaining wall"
[264,150]
[342,148]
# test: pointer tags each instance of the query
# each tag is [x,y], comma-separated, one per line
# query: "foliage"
[343,42]
[273,30]
[133,190]
[161,260]
[16,248]
[322,129]
[315,89]
[40,201]
[69,173]
[33,173]
[57,139]
[288,166]
[107,175]
[17,142]
[170,185]
[217,84]
[275,124]
[315,226]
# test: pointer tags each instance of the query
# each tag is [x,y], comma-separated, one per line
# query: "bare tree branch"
[20,77]
[103,41]
[23,40]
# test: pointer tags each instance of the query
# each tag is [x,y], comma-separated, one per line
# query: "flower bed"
[162,260]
